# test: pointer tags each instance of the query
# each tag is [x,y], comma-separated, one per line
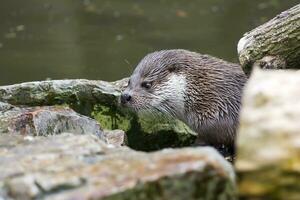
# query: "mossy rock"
[145,132]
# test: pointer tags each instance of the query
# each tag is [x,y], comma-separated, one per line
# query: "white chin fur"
[173,90]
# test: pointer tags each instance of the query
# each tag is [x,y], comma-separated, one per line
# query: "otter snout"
[125,97]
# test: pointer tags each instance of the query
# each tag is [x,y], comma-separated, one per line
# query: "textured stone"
[80,92]
[275,44]
[69,166]
[116,138]
[269,137]
[43,121]
[5,106]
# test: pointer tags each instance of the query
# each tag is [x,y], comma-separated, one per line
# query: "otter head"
[157,84]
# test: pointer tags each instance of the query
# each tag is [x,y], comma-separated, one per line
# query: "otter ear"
[174,68]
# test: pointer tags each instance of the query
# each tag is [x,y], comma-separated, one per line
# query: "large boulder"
[268,142]
[69,166]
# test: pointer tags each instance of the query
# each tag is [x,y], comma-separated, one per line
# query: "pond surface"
[105,39]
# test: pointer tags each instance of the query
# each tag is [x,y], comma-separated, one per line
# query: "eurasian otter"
[202,91]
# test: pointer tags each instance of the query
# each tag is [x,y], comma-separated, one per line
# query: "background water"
[105,39]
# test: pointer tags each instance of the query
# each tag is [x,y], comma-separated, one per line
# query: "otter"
[202,91]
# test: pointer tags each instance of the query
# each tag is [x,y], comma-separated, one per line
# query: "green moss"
[145,132]
[111,118]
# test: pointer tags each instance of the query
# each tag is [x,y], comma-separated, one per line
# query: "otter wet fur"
[201,90]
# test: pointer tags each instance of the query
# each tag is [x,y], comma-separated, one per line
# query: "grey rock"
[59,91]
[69,166]
[269,137]
[5,106]
[43,121]
[116,138]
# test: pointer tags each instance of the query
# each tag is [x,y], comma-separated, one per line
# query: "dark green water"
[105,39]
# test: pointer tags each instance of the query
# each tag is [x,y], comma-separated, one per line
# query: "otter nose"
[125,98]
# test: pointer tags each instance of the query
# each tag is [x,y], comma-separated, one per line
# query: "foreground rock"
[72,166]
[269,137]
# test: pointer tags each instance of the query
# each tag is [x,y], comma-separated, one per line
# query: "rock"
[69,166]
[268,161]
[5,106]
[43,121]
[99,99]
[116,138]
[274,44]
[53,120]
[81,94]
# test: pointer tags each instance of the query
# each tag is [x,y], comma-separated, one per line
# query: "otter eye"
[146,85]
[173,68]
[128,82]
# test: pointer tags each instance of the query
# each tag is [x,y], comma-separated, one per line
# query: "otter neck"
[174,89]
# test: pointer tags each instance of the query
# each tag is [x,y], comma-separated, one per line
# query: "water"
[58,39]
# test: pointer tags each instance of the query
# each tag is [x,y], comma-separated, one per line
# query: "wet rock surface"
[69,166]
[269,137]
